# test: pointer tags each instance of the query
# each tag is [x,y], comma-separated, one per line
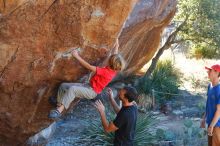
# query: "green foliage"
[96,135]
[201,51]
[192,132]
[191,135]
[201,106]
[195,83]
[165,135]
[165,78]
[143,135]
[202,28]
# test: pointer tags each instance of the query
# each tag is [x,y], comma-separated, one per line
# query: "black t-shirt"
[126,123]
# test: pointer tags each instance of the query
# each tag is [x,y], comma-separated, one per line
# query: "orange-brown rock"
[141,36]
[34,34]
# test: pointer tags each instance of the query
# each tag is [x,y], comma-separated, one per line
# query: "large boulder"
[142,32]
[34,34]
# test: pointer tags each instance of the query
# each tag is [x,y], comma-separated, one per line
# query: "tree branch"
[166,46]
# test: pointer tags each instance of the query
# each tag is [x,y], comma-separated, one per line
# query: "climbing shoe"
[54,114]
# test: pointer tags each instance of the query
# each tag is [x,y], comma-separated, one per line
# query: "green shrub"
[165,78]
[190,135]
[204,51]
[143,136]
[192,131]
[166,135]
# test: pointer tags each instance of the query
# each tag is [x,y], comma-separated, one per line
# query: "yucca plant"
[165,78]
[98,136]
[144,134]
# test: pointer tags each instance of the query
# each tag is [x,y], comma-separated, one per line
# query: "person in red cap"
[212,114]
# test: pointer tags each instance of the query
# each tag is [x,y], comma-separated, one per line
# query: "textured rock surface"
[34,34]
[141,36]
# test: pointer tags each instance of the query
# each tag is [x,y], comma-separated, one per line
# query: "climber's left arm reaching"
[83,62]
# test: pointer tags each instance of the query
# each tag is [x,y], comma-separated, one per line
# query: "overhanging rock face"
[141,36]
[35,33]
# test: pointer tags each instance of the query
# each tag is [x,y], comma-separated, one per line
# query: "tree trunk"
[155,60]
[170,40]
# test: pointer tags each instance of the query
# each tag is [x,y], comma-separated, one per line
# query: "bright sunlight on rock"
[35,34]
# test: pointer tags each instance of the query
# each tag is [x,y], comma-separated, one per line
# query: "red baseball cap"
[216,67]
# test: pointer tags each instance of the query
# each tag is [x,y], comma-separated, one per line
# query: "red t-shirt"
[101,78]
